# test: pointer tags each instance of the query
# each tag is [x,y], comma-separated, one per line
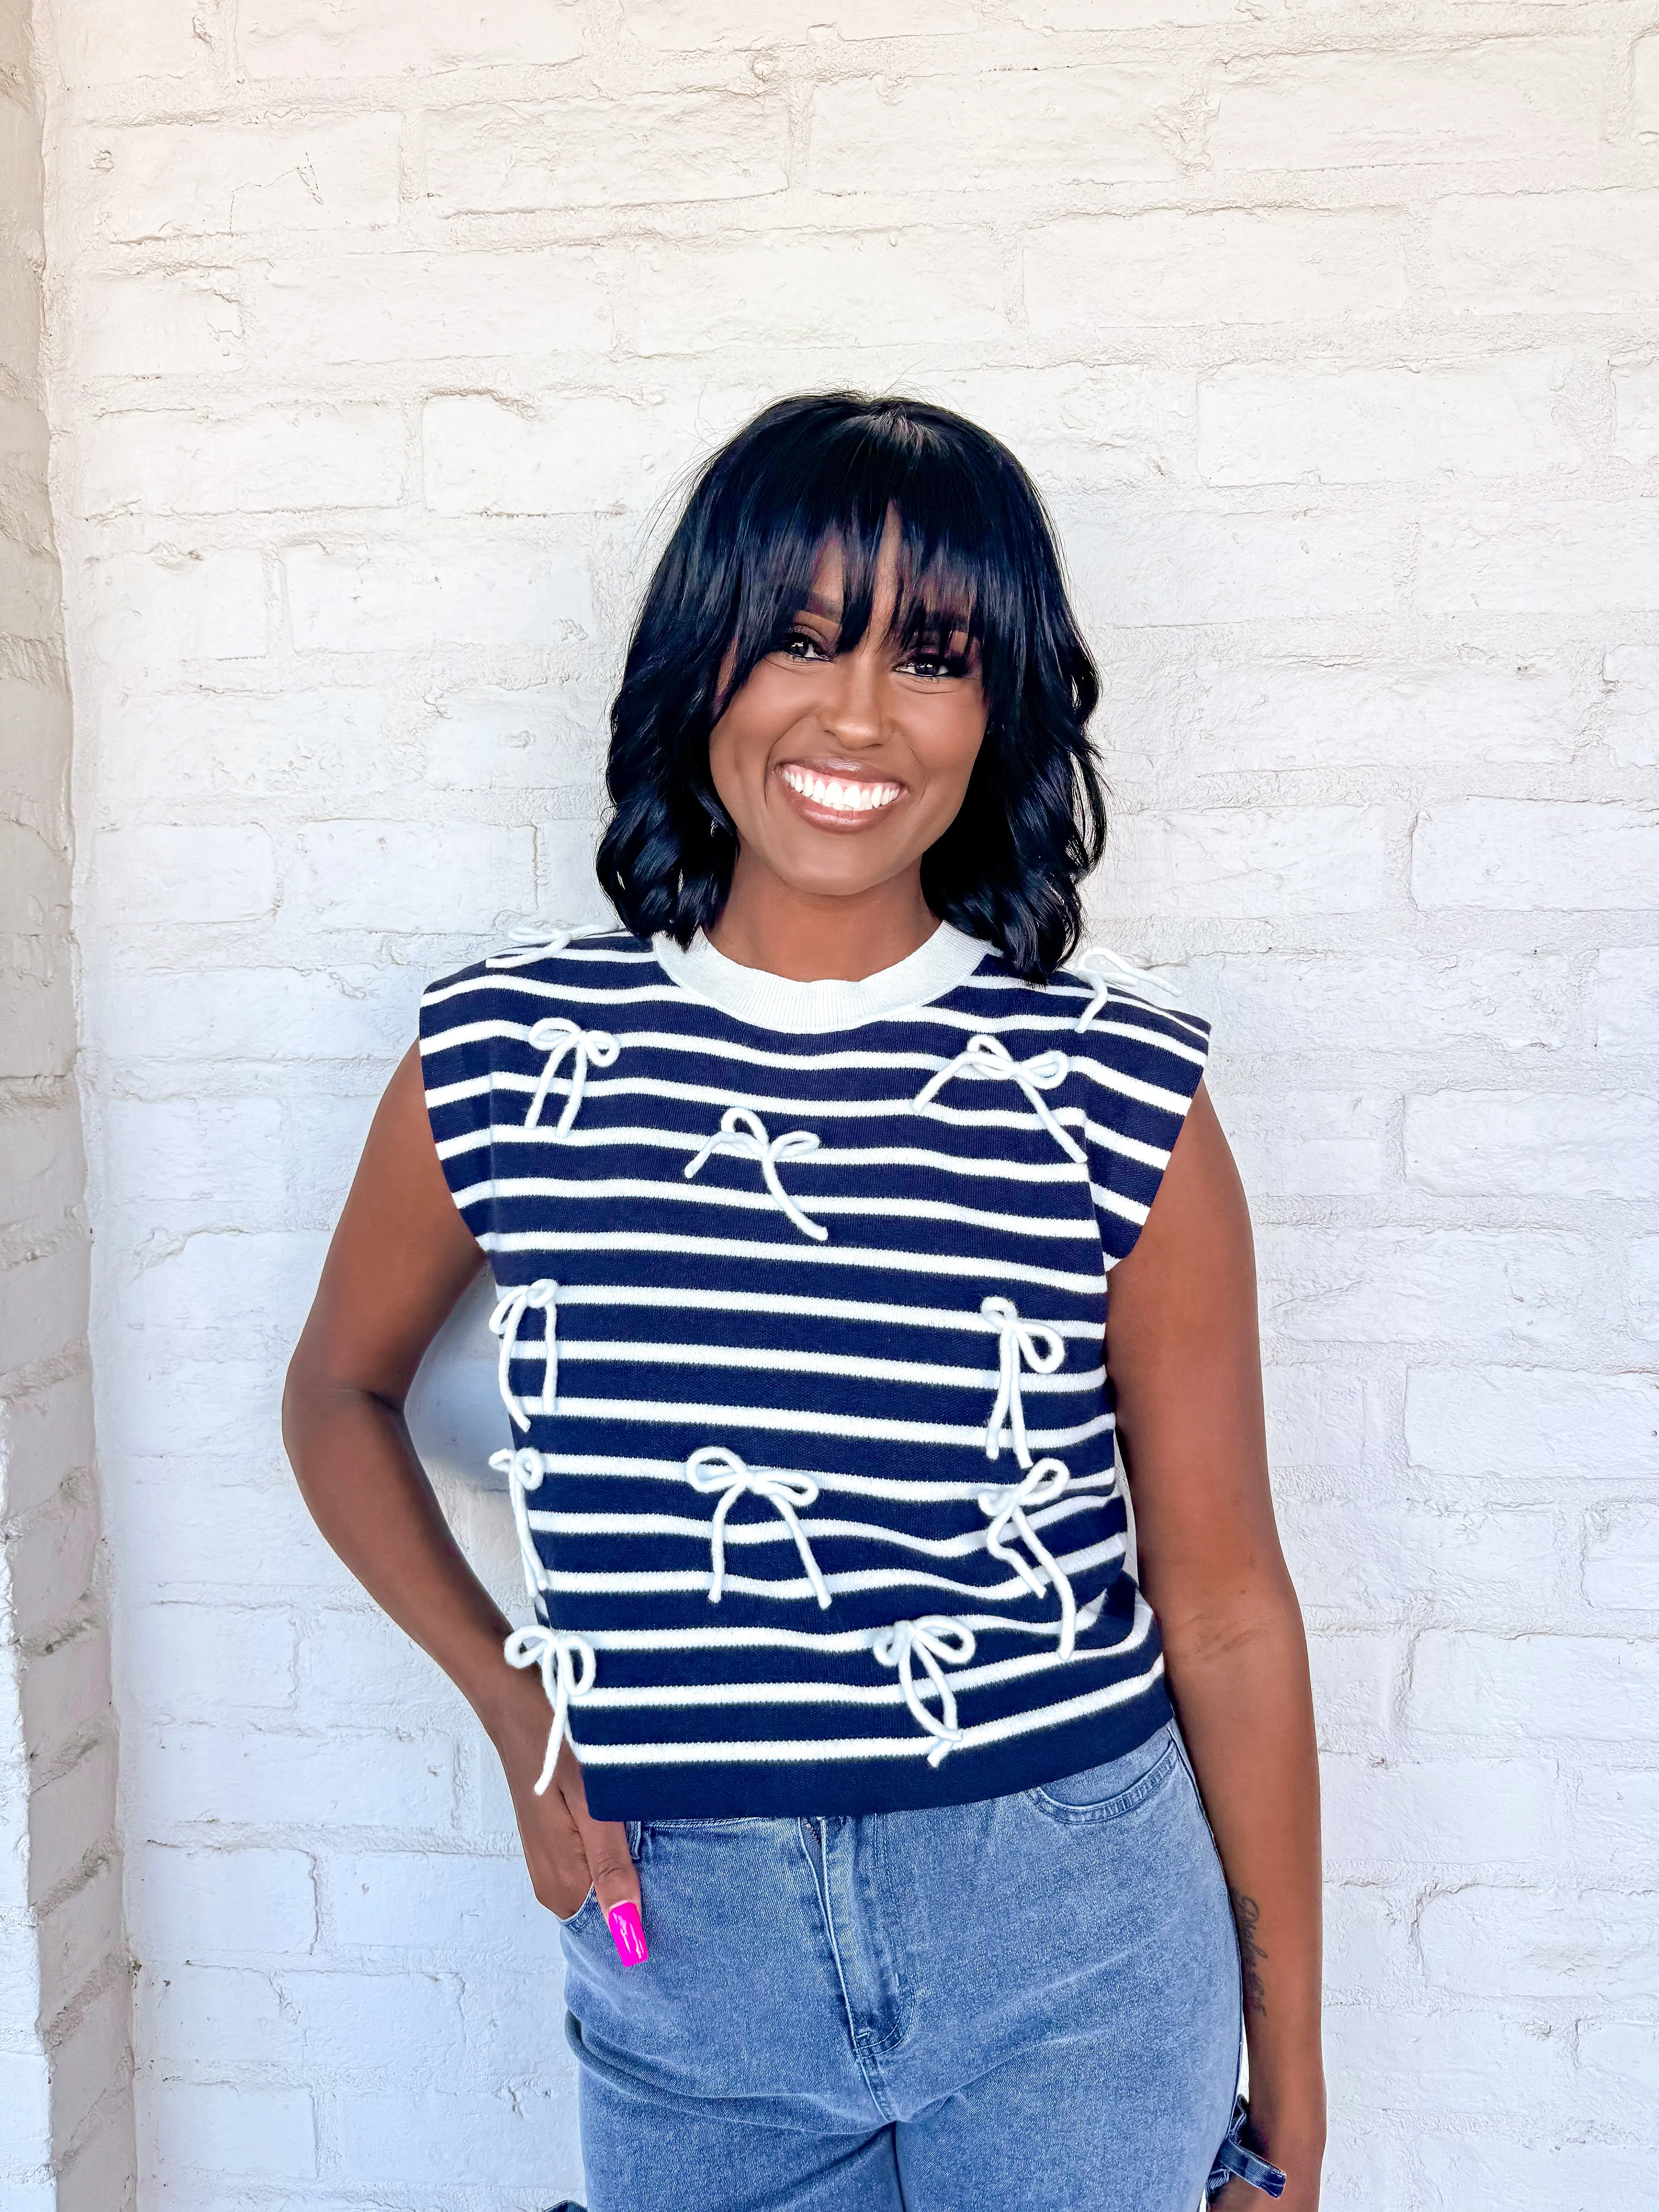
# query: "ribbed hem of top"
[777,1002]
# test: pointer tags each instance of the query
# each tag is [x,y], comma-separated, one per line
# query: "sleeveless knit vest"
[801,1343]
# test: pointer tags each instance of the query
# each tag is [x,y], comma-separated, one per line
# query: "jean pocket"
[633,1829]
[1108,1791]
[1234,2161]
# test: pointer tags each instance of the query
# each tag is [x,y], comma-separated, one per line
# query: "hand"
[1240,2196]
[1301,2170]
[567,1851]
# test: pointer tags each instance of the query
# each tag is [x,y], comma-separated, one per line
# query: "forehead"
[881,591]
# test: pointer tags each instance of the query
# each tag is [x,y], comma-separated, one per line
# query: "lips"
[839,795]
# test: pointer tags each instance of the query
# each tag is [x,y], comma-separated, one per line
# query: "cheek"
[741,741]
[951,749]
[732,751]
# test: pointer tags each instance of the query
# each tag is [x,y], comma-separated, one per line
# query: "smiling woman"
[842,1235]
[868,599]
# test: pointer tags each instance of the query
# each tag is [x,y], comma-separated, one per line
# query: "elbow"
[306,1393]
[315,1398]
[299,1398]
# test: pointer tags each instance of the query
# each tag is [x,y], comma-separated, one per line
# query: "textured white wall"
[378,336]
[66,2136]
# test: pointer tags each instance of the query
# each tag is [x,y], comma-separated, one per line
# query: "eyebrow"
[939,622]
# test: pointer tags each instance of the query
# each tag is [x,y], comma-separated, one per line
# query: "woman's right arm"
[398,1261]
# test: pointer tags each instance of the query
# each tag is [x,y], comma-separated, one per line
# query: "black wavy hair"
[973,540]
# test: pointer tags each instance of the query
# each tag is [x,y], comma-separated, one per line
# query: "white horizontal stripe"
[766,1302]
[519,978]
[720,1095]
[1112,1201]
[796,1254]
[1131,1086]
[491,1135]
[916,1746]
[1082,993]
[808,1422]
[853,1485]
[683,1695]
[1083,1231]
[1197,1055]
[960,1024]
[842,1642]
[772,1530]
[685,1142]
[726,1050]
[920,1064]
[643,1583]
[779,1359]
[802,1110]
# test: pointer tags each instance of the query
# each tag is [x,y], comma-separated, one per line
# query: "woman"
[803,1188]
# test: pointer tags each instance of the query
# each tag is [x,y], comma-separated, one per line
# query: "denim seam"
[858,2044]
[1110,1809]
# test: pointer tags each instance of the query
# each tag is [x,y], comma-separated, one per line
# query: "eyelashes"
[931,657]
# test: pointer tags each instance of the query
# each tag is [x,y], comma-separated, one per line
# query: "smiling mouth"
[840,795]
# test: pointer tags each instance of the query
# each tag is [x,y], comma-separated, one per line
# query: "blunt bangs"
[975,553]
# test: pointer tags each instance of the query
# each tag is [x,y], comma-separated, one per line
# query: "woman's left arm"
[1183,1354]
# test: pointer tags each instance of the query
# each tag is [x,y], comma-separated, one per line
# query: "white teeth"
[843,798]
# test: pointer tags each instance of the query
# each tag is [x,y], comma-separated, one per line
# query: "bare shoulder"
[401,1254]
[1192,1271]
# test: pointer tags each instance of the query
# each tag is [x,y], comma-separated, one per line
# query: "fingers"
[553,1851]
[616,1886]
[615,1876]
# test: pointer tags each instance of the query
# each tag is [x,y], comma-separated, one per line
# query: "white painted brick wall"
[66,2131]
[379,339]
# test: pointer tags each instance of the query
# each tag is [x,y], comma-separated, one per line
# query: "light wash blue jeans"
[1029,2002]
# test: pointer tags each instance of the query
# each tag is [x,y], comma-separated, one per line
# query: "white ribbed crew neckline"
[777,1002]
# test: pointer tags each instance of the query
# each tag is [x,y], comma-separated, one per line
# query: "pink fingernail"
[627,1934]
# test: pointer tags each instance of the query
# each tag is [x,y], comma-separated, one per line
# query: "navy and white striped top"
[802,1330]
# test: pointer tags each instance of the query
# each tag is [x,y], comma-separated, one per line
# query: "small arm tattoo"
[1247,1919]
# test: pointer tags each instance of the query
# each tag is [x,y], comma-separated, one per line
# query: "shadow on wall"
[454,1409]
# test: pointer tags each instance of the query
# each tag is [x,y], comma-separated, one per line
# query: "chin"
[834,883]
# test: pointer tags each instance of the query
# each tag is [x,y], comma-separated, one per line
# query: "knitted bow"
[714,1469]
[933,1638]
[568,1667]
[744,1133]
[987,1059]
[555,1036]
[1019,1343]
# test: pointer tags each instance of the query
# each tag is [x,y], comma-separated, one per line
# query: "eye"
[934,663]
[802,645]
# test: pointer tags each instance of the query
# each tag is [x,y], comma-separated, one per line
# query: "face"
[839,769]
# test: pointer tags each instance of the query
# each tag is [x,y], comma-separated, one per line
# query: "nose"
[853,712]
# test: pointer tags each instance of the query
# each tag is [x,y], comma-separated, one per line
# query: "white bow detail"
[933,1638]
[555,1036]
[523,1470]
[568,1667]
[1027,1342]
[715,1468]
[541,943]
[1101,964]
[988,1060]
[1040,1485]
[504,1323]
[744,1133]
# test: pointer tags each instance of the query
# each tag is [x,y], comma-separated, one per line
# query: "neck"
[810,937]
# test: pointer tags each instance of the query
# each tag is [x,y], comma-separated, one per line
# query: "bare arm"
[1184,1357]
[400,1259]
